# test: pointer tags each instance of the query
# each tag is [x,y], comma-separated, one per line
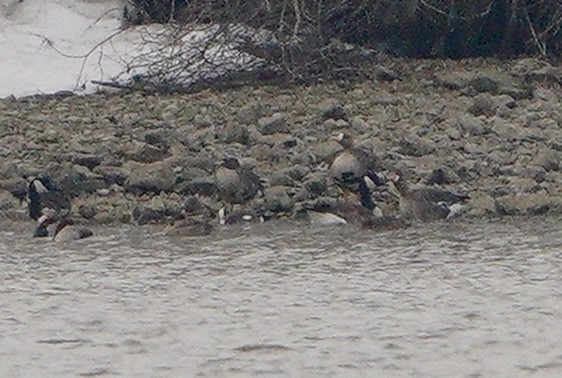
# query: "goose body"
[67,231]
[354,168]
[428,203]
[332,211]
[236,184]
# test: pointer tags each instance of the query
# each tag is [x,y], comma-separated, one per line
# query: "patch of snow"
[49,46]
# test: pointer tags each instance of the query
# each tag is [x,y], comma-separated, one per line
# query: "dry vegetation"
[311,40]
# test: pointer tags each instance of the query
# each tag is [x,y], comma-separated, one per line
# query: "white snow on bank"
[43,43]
[52,45]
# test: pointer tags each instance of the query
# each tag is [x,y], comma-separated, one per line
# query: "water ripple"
[473,299]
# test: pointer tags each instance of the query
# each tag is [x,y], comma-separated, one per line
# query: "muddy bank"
[493,130]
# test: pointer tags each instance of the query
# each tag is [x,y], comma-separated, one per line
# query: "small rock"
[17,187]
[204,186]
[89,161]
[189,227]
[235,133]
[330,108]
[471,125]
[279,179]
[503,129]
[414,145]
[145,215]
[277,123]
[148,154]
[483,104]
[158,138]
[441,176]
[277,200]
[149,178]
[7,201]
[297,172]
[548,159]
[87,211]
[104,192]
[316,185]
[74,180]
[325,152]
[112,175]
[386,74]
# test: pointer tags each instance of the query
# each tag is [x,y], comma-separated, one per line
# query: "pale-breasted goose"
[236,183]
[426,203]
[352,166]
[43,195]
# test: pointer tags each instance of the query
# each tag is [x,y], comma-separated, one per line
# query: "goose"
[236,184]
[427,203]
[43,195]
[66,231]
[354,169]
[327,211]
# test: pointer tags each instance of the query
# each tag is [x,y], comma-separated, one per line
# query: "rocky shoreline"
[492,129]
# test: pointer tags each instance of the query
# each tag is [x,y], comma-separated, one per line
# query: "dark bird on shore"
[236,183]
[43,195]
[355,168]
[427,203]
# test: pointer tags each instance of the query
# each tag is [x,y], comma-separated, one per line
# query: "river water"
[456,299]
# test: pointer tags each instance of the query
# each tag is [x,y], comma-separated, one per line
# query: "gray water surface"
[282,300]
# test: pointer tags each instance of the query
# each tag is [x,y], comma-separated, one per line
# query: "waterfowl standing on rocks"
[427,203]
[43,195]
[236,183]
[353,168]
